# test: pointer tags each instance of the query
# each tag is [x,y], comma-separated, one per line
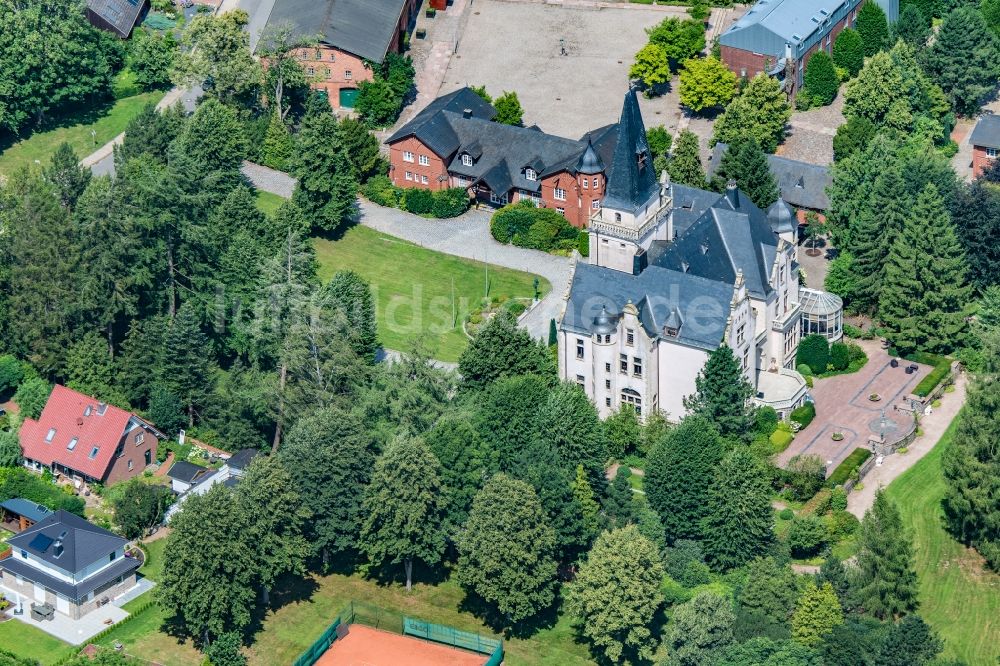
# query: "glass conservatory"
[822,314]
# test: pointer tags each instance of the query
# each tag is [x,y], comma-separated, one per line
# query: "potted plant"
[874,397]
[837,436]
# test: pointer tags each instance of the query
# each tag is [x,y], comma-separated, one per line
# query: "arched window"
[631,397]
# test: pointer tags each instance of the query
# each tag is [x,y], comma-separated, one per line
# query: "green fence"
[397,623]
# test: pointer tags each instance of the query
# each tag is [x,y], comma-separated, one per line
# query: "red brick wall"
[119,471]
[333,70]
[980,161]
[399,167]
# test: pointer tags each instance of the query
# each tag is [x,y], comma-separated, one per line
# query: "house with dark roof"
[985,140]
[184,474]
[453,142]
[779,36]
[87,440]
[348,33]
[801,184]
[18,514]
[68,563]
[117,16]
[675,272]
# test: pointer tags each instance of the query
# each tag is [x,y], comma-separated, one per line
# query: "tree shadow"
[394,574]
[499,623]
[289,589]
[84,113]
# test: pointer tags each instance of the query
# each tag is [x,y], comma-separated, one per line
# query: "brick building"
[985,140]
[87,440]
[779,36]
[455,143]
[348,33]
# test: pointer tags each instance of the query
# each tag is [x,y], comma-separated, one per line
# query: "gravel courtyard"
[515,46]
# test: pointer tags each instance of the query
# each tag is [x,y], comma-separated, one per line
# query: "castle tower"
[635,208]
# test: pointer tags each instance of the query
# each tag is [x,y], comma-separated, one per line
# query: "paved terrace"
[842,405]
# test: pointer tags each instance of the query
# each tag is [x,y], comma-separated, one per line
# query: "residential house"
[87,440]
[985,140]
[68,563]
[18,514]
[673,273]
[349,34]
[117,16]
[454,142]
[779,36]
[183,475]
[228,475]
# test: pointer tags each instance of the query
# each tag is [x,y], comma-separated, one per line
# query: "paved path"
[465,236]
[933,425]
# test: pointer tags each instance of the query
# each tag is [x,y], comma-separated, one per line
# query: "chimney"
[733,194]
[466,113]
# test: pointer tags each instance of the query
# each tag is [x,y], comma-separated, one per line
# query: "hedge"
[850,463]
[525,225]
[804,414]
[780,439]
[814,351]
[446,203]
[942,366]
[818,505]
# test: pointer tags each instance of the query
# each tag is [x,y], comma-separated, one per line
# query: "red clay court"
[364,646]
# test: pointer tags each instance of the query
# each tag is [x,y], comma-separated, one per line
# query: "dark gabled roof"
[366,28]
[434,129]
[121,15]
[185,471]
[242,458]
[987,132]
[662,296]
[120,567]
[83,543]
[724,240]
[689,204]
[22,507]
[802,184]
[629,185]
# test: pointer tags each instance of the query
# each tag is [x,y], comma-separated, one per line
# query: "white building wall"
[679,365]
[63,574]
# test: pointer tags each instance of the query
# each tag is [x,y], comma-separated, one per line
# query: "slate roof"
[242,458]
[662,297]
[986,133]
[434,129]
[83,543]
[75,416]
[185,471]
[802,184]
[22,507]
[724,240]
[365,28]
[631,181]
[121,15]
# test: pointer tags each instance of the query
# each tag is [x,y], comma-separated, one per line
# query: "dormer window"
[530,174]
[50,435]
[670,331]
[466,159]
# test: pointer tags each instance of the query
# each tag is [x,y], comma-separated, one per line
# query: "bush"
[525,225]
[942,367]
[803,100]
[840,356]
[804,414]
[814,351]
[856,353]
[583,244]
[380,190]
[516,308]
[842,524]
[31,396]
[838,499]
[804,370]
[765,420]
[19,482]
[786,514]
[418,201]
[804,476]
[806,536]
[780,439]
[685,563]
[451,202]
[512,220]
[659,140]
[850,464]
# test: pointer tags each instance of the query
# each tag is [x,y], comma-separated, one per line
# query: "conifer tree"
[569,421]
[64,171]
[925,290]
[589,507]
[349,295]
[871,236]
[684,166]
[873,28]
[723,395]
[816,614]
[619,508]
[739,524]
[909,642]
[911,26]
[848,51]
[963,59]
[885,582]
[745,163]
[679,475]
[820,78]
[463,455]
[188,360]
[327,187]
[277,148]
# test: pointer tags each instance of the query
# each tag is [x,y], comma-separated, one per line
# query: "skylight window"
[93,452]
[87,410]
[50,435]
[72,444]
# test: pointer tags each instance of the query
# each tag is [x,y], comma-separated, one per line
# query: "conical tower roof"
[632,178]
[590,162]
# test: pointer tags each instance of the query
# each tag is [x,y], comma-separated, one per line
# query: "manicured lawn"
[958,596]
[142,638]
[30,643]
[107,124]
[267,202]
[153,567]
[416,289]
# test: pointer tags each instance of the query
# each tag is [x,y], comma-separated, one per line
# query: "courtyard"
[516,46]
[843,405]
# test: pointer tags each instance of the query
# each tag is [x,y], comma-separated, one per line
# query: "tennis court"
[364,646]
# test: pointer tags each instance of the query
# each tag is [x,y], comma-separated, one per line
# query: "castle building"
[673,273]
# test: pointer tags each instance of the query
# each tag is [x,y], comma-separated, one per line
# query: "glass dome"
[822,314]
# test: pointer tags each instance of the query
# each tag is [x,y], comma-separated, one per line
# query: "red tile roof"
[65,413]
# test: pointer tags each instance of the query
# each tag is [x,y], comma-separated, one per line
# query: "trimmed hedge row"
[451,202]
[942,366]
[803,415]
[850,463]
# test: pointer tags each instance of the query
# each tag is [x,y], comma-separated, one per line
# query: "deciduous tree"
[706,83]
[699,630]
[139,506]
[759,112]
[463,456]
[651,66]
[215,54]
[508,107]
[501,349]
[680,39]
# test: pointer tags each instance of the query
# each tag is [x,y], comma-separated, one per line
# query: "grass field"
[958,597]
[268,202]
[31,643]
[106,123]
[416,289]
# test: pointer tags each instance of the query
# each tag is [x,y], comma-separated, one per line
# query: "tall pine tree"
[188,363]
[327,186]
[871,236]
[925,291]
[722,395]
[684,166]
[885,584]
[745,163]
[963,59]
[739,524]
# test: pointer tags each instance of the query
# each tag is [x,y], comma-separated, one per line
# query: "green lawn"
[958,597]
[108,123]
[31,643]
[153,567]
[414,287]
[268,202]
